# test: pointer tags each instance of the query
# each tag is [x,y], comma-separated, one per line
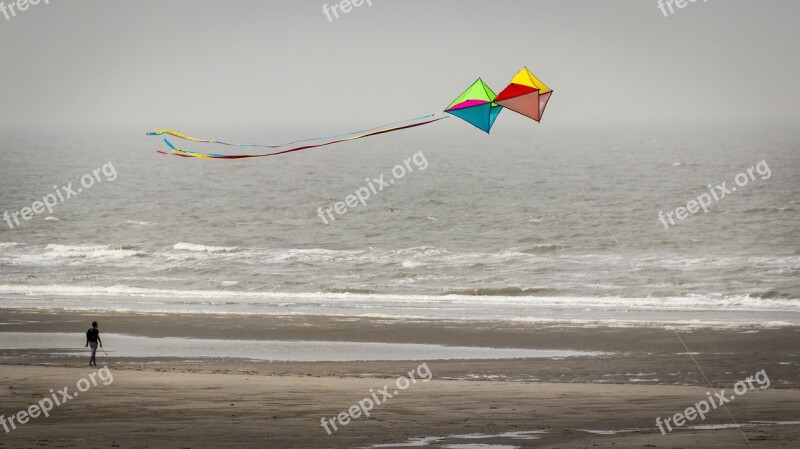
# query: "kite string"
[180,135]
[633,265]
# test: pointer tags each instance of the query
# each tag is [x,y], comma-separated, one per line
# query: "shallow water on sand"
[127,346]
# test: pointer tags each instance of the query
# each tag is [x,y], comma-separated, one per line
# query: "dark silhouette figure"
[93,339]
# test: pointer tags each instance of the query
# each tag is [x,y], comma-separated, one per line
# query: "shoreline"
[686,311]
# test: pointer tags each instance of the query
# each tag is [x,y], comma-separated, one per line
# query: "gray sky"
[181,63]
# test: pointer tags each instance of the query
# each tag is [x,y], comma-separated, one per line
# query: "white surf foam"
[182,246]
[579,311]
[89,251]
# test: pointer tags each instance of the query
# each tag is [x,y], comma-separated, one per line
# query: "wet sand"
[211,403]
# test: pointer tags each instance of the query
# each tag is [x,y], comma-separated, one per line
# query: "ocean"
[530,223]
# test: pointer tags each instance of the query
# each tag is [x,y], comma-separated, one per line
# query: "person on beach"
[92,339]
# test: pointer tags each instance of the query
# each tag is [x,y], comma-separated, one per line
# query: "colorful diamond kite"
[525,95]
[476,106]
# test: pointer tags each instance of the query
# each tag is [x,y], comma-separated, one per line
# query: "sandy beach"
[573,402]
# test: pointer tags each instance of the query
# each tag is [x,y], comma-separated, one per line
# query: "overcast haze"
[183,63]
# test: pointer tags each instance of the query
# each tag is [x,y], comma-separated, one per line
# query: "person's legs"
[94,353]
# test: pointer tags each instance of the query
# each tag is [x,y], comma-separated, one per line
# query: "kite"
[478,106]
[525,95]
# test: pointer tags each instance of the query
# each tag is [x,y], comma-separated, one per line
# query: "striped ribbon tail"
[291,146]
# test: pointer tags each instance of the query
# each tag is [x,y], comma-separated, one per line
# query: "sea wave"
[769,209]
[506,291]
[508,296]
[182,246]
[545,248]
[91,251]
[138,222]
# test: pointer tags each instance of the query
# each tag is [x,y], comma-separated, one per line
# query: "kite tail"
[180,135]
[427,119]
